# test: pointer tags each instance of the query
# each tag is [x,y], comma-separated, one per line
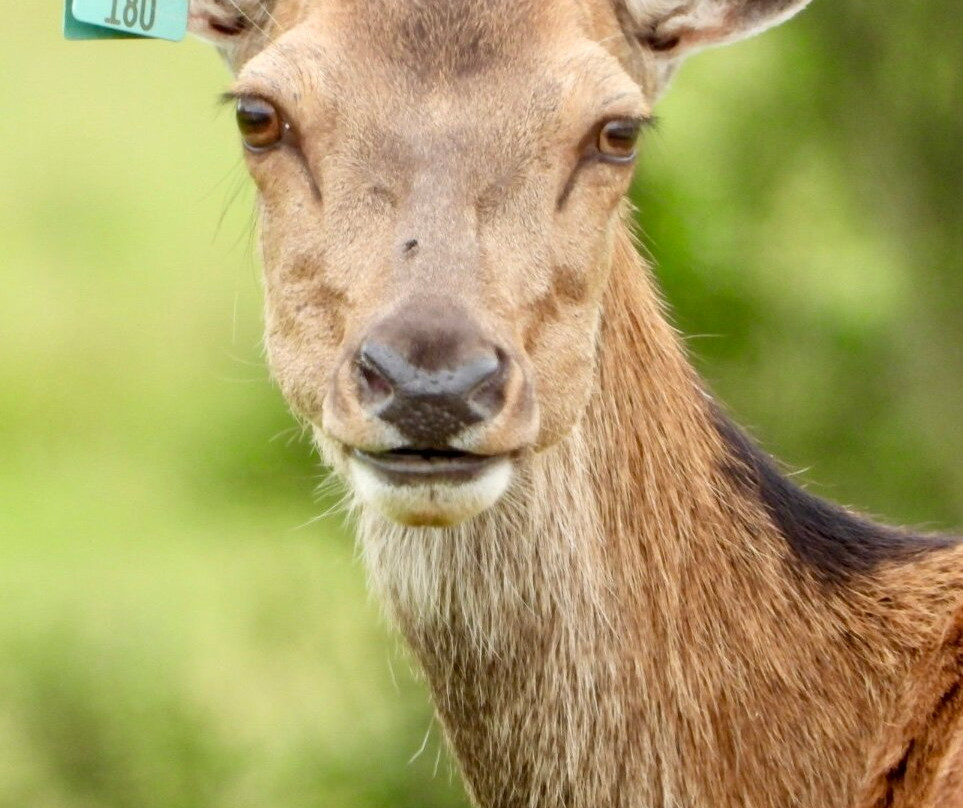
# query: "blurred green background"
[178,628]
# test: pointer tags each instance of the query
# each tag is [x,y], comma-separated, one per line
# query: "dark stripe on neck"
[830,541]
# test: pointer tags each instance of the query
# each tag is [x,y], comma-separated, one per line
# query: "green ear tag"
[123,19]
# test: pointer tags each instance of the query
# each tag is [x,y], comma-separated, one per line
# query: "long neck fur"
[630,627]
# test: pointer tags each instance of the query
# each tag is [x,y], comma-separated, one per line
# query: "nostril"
[488,394]
[374,387]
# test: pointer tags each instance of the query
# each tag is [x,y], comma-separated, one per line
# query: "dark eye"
[260,123]
[617,140]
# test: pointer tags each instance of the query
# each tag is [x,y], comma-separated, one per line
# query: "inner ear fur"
[675,28]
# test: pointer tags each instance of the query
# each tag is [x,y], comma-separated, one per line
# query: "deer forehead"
[465,33]
[374,51]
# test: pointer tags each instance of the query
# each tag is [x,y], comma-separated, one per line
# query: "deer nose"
[432,387]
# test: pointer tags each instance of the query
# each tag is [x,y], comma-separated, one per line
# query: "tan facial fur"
[430,180]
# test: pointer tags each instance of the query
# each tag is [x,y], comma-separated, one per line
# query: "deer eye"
[260,123]
[617,140]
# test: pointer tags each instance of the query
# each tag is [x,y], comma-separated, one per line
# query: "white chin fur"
[435,504]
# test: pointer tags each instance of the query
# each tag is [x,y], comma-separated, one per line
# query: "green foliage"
[802,201]
[175,630]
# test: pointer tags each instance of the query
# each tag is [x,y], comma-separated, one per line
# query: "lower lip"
[417,469]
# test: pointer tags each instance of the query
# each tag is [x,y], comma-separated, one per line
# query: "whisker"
[291,431]
[240,360]
[335,508]
[424,745]
[239,185]
[391,673]
[270,16]
[248,17]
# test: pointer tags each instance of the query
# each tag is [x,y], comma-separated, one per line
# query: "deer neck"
[626,628]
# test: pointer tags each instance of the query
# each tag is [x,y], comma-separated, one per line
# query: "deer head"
[440,189]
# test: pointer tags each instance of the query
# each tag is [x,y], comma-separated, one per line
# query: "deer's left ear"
[676,28]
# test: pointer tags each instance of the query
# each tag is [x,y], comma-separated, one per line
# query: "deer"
[616,598]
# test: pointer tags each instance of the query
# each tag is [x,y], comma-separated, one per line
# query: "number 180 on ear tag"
[108,19]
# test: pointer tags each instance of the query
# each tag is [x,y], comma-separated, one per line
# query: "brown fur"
[647,618]
[920,763]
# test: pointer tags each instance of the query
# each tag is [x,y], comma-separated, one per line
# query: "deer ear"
[227,23]
[673,29]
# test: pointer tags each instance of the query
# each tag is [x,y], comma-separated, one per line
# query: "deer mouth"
[421,487]
[413,466]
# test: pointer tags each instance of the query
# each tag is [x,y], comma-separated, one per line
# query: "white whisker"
[424,744]
[248,17]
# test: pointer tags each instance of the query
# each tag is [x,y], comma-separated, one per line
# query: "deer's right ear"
[228,23]
[674,29]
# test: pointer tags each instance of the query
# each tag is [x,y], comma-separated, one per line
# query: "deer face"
[440,185]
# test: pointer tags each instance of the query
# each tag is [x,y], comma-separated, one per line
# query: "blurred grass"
[173,631]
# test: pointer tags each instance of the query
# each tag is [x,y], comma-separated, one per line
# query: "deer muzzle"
[432,410]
